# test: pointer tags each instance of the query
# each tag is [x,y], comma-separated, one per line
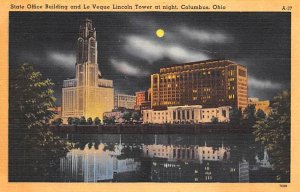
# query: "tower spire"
[87,43]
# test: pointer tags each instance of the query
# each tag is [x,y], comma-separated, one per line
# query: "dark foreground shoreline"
[152,129]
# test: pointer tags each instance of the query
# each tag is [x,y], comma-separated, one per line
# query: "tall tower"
[86,55]
[87,95]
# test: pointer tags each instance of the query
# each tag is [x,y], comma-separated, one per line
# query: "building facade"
[186,114]
[143,100]
[262,105]
[141,96]
[125,101]
[210,83]
[88,94]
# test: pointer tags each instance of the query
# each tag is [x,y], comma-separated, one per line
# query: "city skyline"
[129,50]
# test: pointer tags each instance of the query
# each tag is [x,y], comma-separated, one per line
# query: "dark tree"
[57,121]
[82,121]
[109,120]
[89,121]
[260,114]
[249,117]
[70,120]
[34,151]
[274,133]
[127,116]
[76,121]
[236,116]
[97,121]
[136,116]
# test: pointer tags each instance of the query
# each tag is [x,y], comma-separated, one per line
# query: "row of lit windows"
[204,91]
[194,71]
[208,178]
[126,98]
[231,96]
[189,80]
[169,102]
[175,93]
[166,98]
[231,72]
[190,84]
[190,74]
[213,65]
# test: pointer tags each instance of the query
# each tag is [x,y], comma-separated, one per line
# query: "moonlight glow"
[160,33]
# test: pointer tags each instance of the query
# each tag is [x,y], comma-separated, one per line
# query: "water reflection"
[166,158]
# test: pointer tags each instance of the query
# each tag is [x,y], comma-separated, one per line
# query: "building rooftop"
[215,61]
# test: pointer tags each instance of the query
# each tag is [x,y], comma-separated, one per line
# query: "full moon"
[160,33]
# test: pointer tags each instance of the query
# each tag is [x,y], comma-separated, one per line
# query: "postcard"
[153,96]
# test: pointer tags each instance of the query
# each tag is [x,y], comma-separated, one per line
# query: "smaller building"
[262,105]
[141,96]
[145,105]
[186,114]
[143,100]
[125,101]
[116,115]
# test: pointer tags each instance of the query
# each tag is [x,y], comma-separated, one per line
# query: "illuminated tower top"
[87,71]
[87,44]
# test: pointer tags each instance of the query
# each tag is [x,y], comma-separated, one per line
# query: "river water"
[165,158]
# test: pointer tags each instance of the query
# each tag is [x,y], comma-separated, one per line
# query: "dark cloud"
[129,51]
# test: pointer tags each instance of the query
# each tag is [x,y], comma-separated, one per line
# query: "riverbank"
[152,129]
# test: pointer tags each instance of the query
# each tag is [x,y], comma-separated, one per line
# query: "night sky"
[129,51]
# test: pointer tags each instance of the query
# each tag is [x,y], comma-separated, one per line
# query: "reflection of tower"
[92,165]
[88,94]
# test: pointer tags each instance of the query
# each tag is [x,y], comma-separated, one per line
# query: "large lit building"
[125,101]
[210,83]
[88,94]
